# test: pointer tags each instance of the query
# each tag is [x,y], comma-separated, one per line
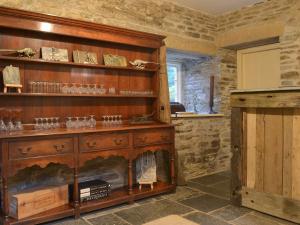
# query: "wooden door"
[259,67]
[271,161]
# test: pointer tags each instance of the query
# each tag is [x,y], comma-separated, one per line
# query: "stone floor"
[205,200]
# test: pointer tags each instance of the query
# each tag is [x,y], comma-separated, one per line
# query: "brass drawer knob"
[59,148]
[118,141]
[25,151]
[91,144]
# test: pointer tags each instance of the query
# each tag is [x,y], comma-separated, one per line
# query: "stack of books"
[92,190]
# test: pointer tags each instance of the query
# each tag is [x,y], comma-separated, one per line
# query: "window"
[174,78]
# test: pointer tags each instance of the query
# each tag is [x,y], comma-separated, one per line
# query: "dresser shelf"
[72,64]
[75,95]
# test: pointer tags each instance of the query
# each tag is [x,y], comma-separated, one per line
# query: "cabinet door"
[259,67]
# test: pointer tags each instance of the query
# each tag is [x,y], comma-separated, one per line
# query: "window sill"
[176,116]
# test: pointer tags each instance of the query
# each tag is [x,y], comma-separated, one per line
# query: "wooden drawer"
[96,142]
[34,148]
[152,137]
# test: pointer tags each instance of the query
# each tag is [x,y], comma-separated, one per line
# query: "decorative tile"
[230,212]
[109,219]
[205,219]
[205,203]
[151,211]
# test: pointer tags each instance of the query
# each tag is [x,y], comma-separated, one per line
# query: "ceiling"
[216,7]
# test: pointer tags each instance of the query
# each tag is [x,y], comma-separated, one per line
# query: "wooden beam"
[272,204]
[250,33]
[279,99]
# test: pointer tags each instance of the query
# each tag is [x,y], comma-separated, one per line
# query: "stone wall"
[203,144]
[196,83]
[158,16]
[285,11]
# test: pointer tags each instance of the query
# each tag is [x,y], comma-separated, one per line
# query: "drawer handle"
[59,148]
[164,137]
[91,145]
[25,151]
[118,141]
[142,140]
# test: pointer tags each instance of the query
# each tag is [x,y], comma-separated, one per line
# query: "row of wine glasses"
[112,119]
[74,88]
[129,92]
[81,122]
[44,87]
[10,120]
[46,123]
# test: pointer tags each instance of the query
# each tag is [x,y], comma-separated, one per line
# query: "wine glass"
[10,126]
[69,123]
[56,124]
[76,123]
[92,121]
[2,124]
[51,124]
[36,125]
[45,125]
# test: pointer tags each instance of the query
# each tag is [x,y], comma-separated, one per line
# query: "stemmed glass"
[45,125]
[10,126]
[36,125]
[92,121]
[56,124]
[51,124]
[69,123]
[2,124]
[18,123]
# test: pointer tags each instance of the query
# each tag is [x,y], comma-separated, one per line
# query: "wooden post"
[236,160]
[164,99]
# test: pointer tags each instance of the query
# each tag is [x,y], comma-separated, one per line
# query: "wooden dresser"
[74,147]
[266,151]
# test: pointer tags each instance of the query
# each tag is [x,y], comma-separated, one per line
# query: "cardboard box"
[30,203]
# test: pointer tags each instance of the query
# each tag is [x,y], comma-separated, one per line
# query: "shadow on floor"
[205,201]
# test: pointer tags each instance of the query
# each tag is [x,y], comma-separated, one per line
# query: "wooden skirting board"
[272,204]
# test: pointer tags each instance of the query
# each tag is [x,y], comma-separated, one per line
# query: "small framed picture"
[55,54]
[114,60]
[85,57]
[11,78]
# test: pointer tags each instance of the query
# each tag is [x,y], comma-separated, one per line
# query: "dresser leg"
[75,195]
[5,201]
[130,177]
[172,169]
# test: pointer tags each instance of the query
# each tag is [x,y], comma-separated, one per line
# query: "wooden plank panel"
[296,156]
[260,145]
[251,147]
[272,204]
[273,151]
[287,152]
